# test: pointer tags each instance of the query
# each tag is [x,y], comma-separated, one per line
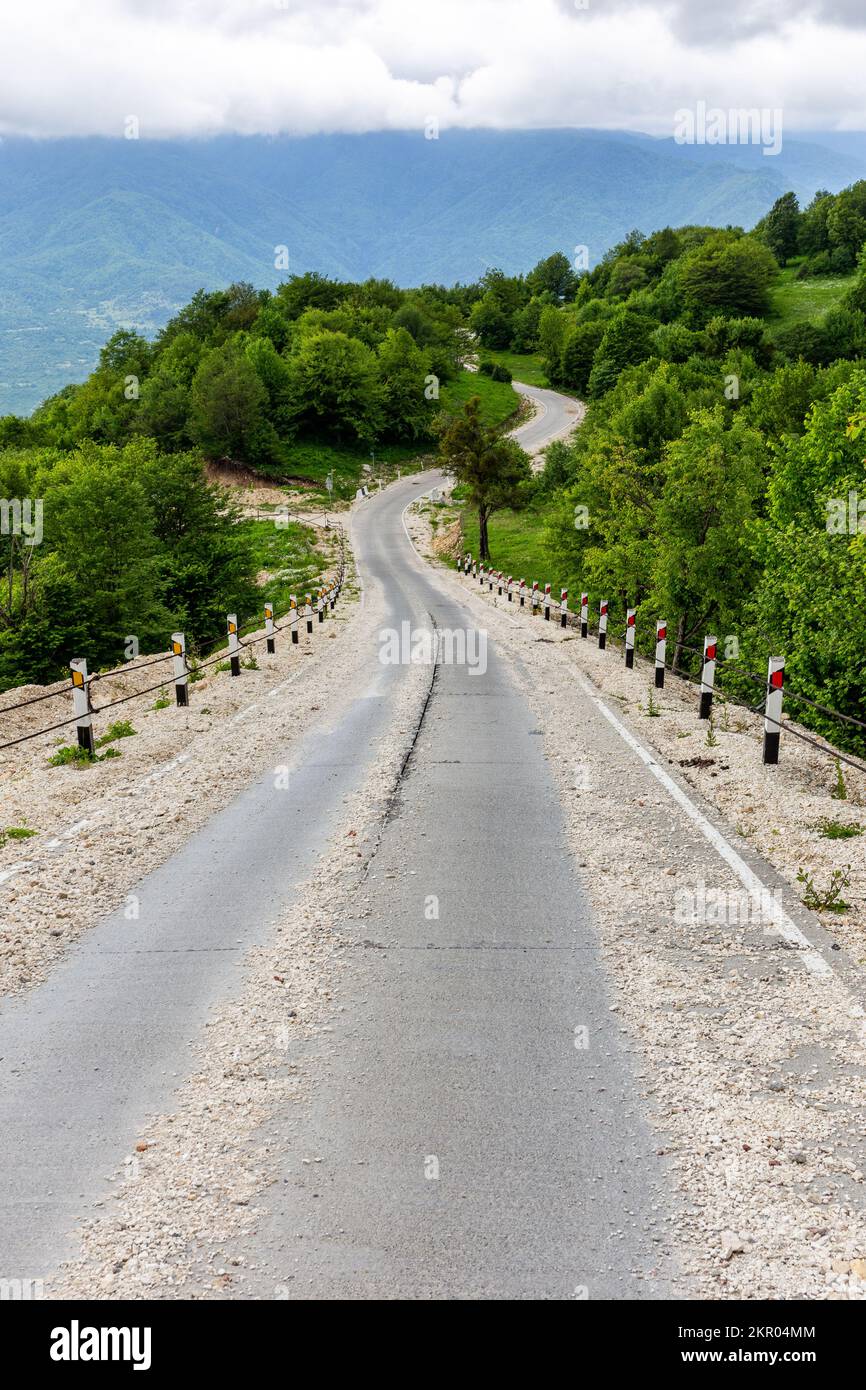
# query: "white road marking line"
[811,958]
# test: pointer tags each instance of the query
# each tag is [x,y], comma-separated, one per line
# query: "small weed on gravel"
[826,899]
[15,832]
[837,829]
[121,728]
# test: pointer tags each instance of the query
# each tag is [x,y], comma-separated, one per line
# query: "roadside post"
[270,646]
[629,638]
[773,708]
[708,678]
[661,649]
[181,676]
[81,705]
[602,625]
[234,644]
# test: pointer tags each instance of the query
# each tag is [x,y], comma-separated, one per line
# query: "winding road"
[469,1152]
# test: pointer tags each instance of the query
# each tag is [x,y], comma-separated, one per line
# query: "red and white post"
[181,675]
[584,615]
[547,603]
[510,588]
[602,625]
[534,597]
[270,645]
[81,705]
[708,678]
[522,593]
[661,652]
[629,637]
[773,708]
[563,608]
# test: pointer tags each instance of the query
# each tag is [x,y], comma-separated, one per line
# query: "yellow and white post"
[234,644]
[81,705]
[308,614]
[181,675]
[293,617]
[270,644]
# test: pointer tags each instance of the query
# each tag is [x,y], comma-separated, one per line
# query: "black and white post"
[629,638]
[81,705]
[510,588]
[308,614]
[320,605]
[773,708]
[563,608]
[522,593]
[708,678]
[534,597]
[270,645]
[234,644]
[547,603]
[661,651]
[293,617]
[584,615]
[181,675]
[602,625]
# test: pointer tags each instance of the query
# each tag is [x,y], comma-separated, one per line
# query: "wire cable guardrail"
[772,684]
[83,684]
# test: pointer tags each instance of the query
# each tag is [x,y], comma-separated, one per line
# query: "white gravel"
[754,1072]
[101,827]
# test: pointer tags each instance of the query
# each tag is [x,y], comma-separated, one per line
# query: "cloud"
[203,67]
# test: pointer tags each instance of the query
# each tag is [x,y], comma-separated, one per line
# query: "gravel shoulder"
[102,827]
[754,1070]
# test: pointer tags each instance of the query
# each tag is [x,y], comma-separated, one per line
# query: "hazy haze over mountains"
[97,233]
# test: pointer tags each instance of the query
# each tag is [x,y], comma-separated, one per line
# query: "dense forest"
[716,480]
[311,380]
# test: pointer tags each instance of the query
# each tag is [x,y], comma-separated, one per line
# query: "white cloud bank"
[205,67]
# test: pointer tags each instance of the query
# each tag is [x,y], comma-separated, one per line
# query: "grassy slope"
[798,301]
[516,544]
[527,367]
[288,553]
[498,398]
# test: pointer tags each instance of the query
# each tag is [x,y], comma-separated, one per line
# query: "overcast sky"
[200,67]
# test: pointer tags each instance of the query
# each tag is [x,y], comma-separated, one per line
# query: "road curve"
[455,1047]
[555,417]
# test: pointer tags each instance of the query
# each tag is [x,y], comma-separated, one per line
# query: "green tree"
[553,275]
[227,405]
[729,274]
[626,340]
[780,229]
[490,467]
[336,388]
[702,568]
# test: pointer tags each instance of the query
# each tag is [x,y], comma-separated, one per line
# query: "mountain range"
[98,233]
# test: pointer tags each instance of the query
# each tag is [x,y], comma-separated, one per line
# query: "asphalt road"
[470,1148]
[555,417]
[473,1149]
